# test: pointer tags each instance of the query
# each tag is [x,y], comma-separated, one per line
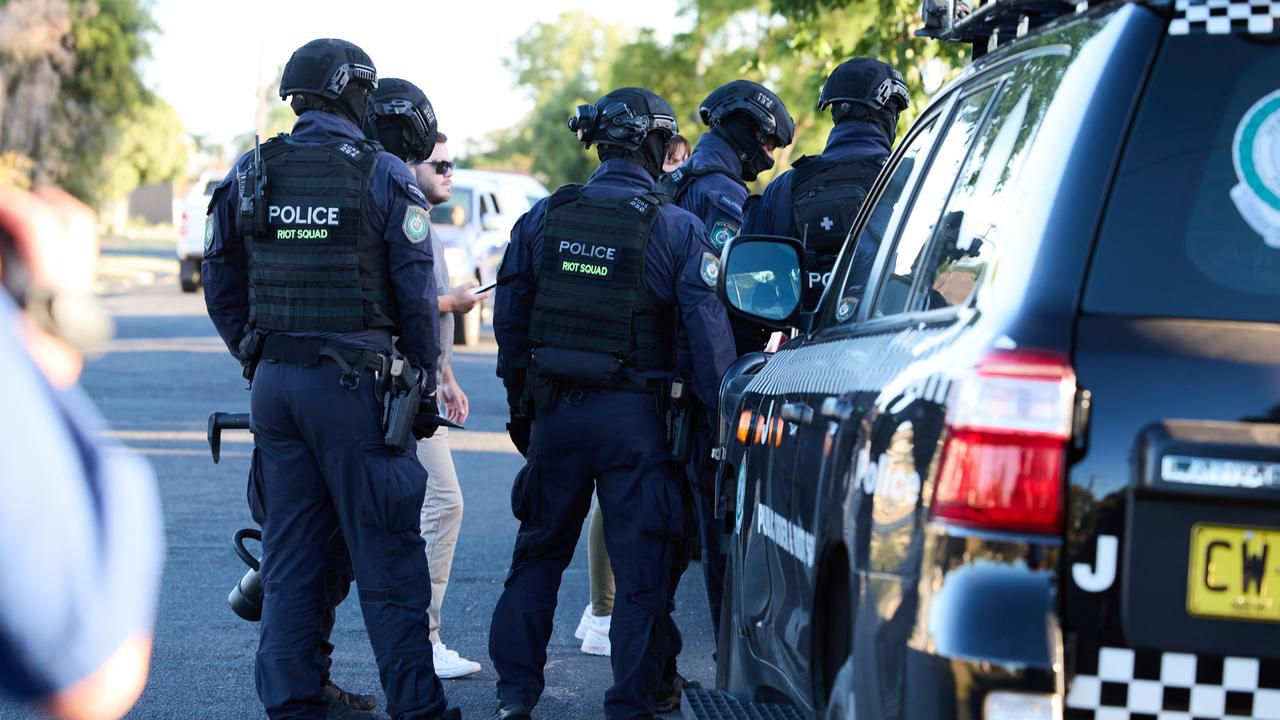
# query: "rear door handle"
[797,412]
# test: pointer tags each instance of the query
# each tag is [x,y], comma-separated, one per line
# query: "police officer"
[314,260]
[747,122]
[817,200]
[589,291]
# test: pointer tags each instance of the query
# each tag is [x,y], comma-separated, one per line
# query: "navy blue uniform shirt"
[225,270]
[849,141]
[715,198]
[680,268]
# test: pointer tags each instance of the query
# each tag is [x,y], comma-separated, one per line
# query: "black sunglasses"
[443,167]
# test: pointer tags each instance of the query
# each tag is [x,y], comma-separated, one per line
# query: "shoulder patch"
[416,224]
[208,231]
[710,269]
[722,232]
[733,206]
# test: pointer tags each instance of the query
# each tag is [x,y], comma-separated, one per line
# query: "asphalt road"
[156,383]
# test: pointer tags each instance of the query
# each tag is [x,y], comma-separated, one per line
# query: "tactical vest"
[825,198]
[320,266]
[673,185]
[591,296]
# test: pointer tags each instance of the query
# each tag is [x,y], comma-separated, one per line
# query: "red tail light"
[185,216]
[1008,424]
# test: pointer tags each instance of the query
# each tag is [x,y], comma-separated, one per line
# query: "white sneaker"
[596,639]
[581,632]
[449,664]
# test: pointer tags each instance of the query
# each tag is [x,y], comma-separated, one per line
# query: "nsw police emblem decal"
[710,268]
[208,232]
[1255,153]
[416,224]
[722,232]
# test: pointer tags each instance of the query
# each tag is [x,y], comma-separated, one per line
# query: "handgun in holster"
[403,393]
[251,219]
[250,351]
[679,419]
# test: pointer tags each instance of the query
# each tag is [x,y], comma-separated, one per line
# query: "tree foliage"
[788,45]
[73,108]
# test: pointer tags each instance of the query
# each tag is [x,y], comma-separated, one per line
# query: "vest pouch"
[576,367]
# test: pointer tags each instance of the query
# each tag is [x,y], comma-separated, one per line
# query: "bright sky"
[205,61]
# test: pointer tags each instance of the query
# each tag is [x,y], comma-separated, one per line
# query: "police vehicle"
[1030,466]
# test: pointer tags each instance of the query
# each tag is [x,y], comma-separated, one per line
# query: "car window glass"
[884,218]
[968,234]
[455,212]
[1192,229]
[907,256]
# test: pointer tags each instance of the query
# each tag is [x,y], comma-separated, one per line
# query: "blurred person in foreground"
[402,119]
[81,542]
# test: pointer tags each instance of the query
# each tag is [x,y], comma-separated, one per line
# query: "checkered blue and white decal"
[1222,17]
[1126,684]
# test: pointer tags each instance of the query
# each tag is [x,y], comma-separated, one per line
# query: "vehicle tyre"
[466,328]
[189,275]
[840,704]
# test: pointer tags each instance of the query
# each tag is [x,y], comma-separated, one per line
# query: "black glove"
[519,429]
[427,419]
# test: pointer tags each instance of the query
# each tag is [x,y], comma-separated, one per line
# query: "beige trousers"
[599,569]
[441,518]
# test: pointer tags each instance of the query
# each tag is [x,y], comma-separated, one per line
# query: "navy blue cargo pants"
[338,574]
[699,517]
[323,465]
[612,441]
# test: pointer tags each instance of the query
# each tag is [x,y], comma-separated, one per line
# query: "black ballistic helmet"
[401,118]
[861,85]
[624,118]
[754,99]
[325,67]
[737,111]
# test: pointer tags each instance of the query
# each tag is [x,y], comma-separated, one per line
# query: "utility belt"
[556,372]
[398,384]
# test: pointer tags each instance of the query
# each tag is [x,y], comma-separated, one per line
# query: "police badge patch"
[710,268]
[722,232]
[208,232]
[416,224]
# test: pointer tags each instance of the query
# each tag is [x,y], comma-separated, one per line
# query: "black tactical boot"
[343,705]
[512,711]
[666,697]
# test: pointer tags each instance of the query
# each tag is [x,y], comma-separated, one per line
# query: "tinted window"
[983,201]
[1193,224]
[907,258]
[457,211]
[884,218]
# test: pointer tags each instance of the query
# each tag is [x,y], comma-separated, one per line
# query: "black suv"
[1029,467]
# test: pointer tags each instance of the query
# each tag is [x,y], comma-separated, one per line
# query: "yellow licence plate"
[1234,573]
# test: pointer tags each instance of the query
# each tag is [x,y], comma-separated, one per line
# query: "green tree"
[788,45]
[561,65]
[70,95]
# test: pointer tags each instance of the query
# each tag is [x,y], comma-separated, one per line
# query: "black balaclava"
[739,130]
[352,103]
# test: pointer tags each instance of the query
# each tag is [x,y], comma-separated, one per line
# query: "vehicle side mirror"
[761,279]
[491,222]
